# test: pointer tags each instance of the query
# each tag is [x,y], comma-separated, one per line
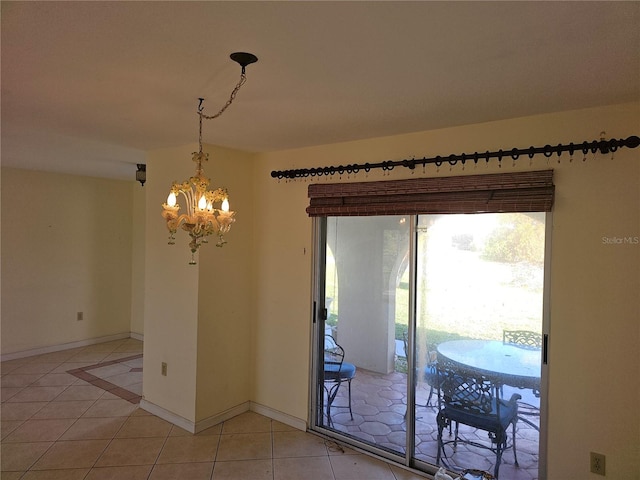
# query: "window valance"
[490,193]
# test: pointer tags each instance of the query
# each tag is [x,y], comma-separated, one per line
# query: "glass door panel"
[446,292]
[363,383]
[477,277]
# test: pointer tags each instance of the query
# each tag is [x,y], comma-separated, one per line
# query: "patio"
[379,405]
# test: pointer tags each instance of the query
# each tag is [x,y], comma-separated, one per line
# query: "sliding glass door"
[399,294]
[366,258]
[479,307]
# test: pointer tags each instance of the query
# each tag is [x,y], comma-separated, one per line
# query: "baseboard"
[279,416]
[222,417]
[137,336]
[188,425]
[253,407]
[197,427]
[65,346]
[170,417]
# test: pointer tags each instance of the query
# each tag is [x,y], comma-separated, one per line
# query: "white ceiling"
[88,87]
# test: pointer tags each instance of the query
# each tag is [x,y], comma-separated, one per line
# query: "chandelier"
[203,217]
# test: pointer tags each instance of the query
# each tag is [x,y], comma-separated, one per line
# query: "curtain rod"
[602,146]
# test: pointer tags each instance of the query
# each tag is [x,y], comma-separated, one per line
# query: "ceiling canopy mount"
[243,58]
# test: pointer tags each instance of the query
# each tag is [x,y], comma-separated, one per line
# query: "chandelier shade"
[207,211]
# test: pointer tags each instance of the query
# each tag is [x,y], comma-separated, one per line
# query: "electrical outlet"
[597,463]
[164,369]
[80,316]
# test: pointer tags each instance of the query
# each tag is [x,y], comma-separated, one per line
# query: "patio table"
[505,364]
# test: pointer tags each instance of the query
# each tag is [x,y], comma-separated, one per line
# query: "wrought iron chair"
[429,374]
[336,371]
[522,338]
[470,398]
[532,340]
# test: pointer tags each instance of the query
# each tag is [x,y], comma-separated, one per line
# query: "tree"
[518,238]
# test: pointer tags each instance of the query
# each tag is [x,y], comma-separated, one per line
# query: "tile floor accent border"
[83,374]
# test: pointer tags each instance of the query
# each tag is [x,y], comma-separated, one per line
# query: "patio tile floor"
[379,406]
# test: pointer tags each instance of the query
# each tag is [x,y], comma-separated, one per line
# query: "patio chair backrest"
[430,354]
[333,353]
[522,338]
[465,390]
[471,398]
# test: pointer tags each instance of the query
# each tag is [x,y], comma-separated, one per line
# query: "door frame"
[319,314]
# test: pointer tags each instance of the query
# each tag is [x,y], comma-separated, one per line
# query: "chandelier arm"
[183,219]
[180,220]
[188,196]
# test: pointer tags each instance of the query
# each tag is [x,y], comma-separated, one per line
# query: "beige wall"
[282,322]
[197,317]
[171,295]
[225,308]
[66,248]
[237,327]
[595,306]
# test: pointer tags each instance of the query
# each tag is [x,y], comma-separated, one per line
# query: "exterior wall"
[367,294]
[66,248]
[594,305]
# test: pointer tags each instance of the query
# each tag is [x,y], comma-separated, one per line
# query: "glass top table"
[506,364]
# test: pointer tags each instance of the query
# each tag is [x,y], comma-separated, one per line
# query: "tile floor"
[57,425]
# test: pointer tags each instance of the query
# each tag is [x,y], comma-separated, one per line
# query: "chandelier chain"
[232,97]
[243,79]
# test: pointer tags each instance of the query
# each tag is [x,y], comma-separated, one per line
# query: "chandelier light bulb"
[172,200]
[225,205]
[202,203]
